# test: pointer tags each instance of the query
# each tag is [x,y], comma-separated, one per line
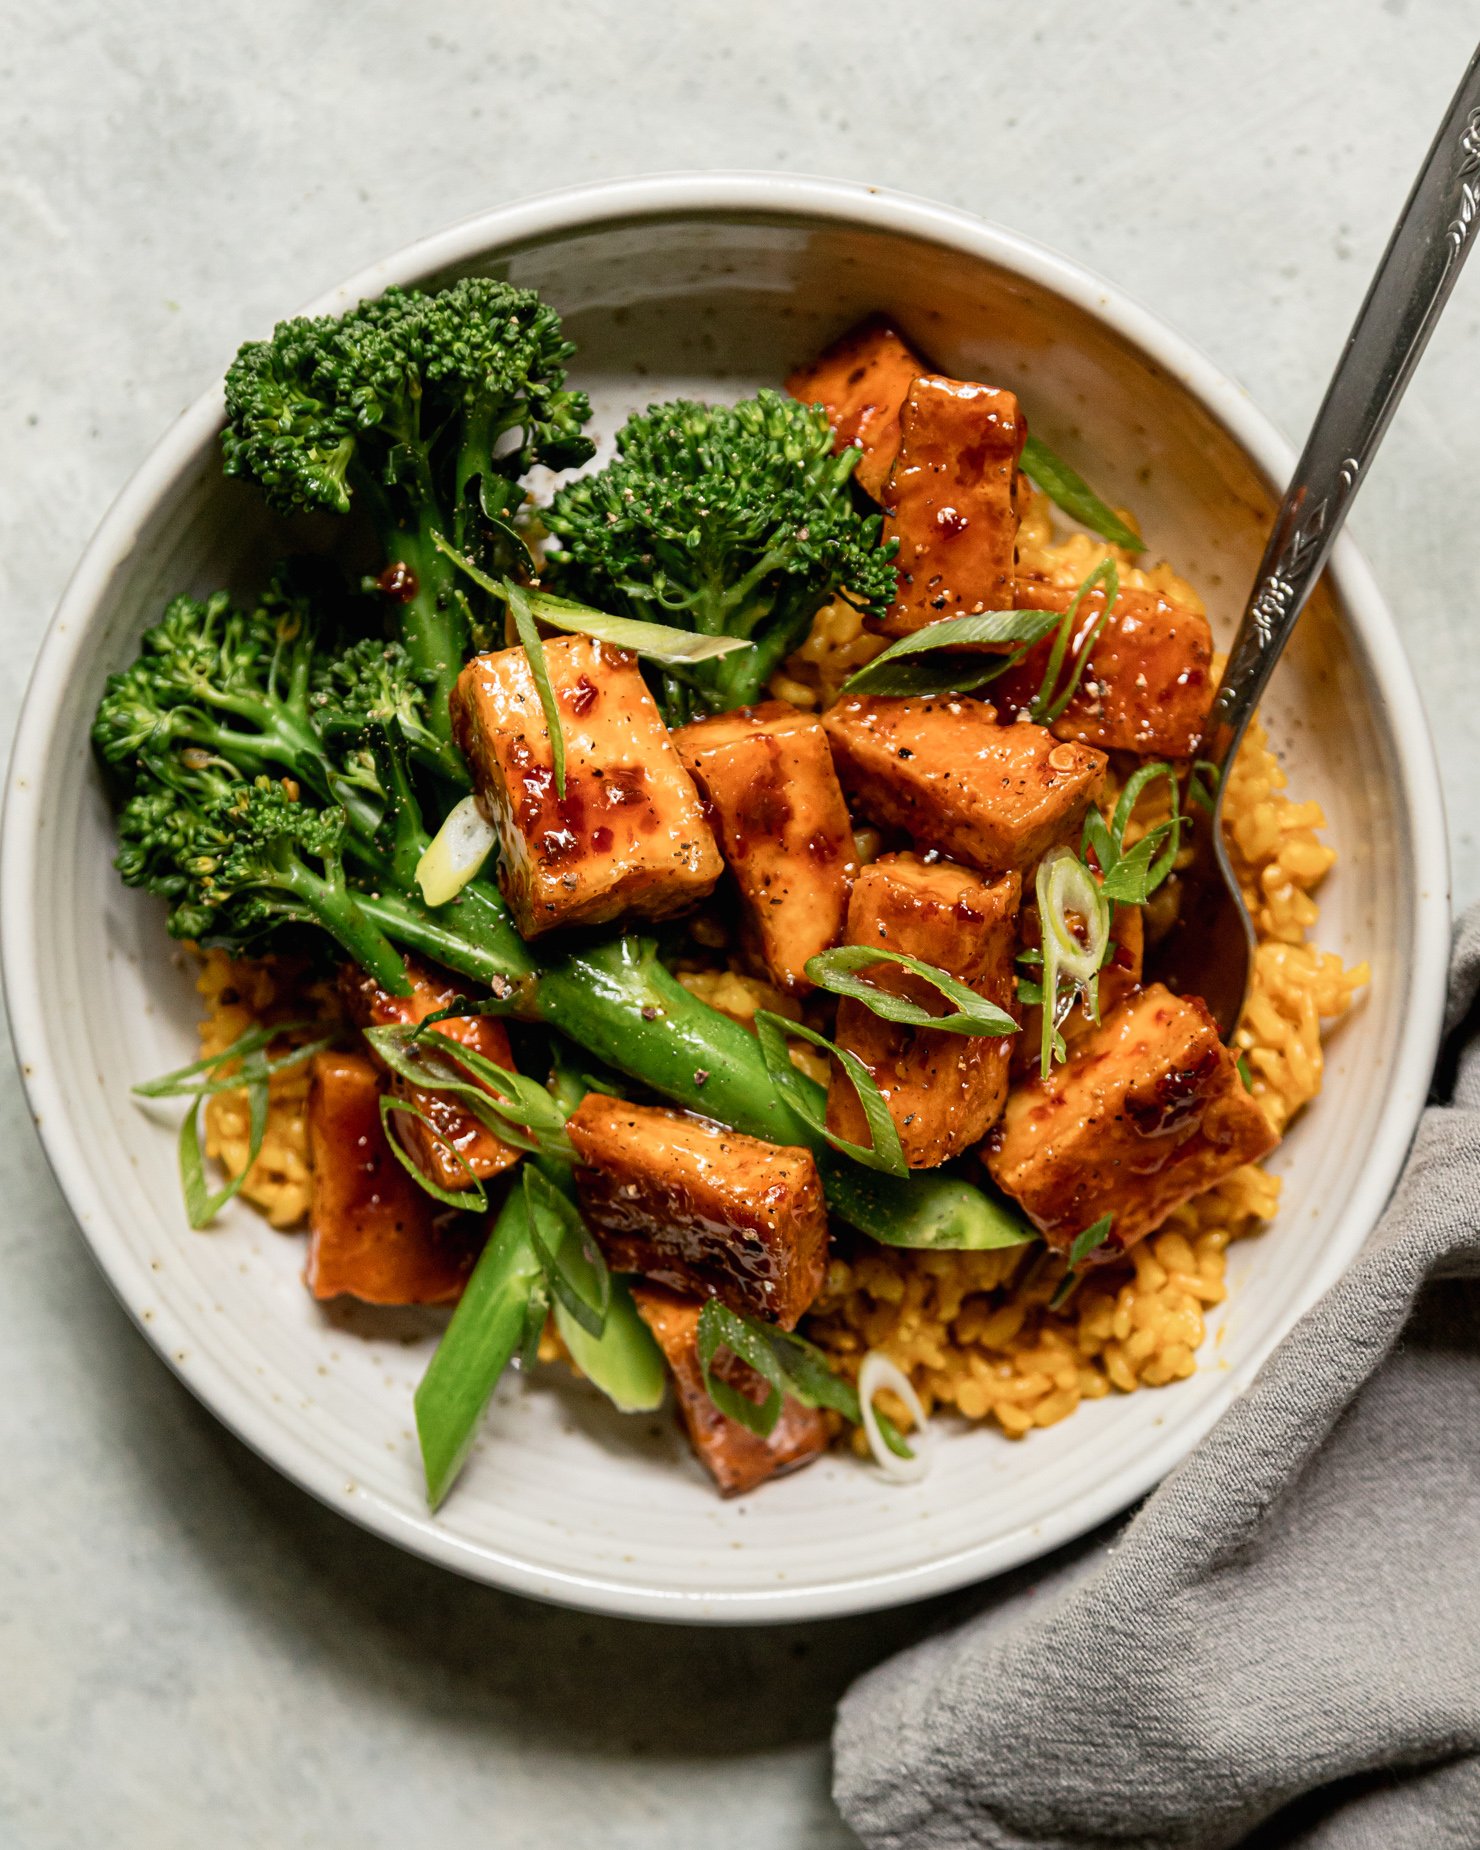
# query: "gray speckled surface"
[191,1650]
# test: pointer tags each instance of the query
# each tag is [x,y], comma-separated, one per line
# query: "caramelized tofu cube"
[943,770]
[1148,684]
[736,1458]
[1148,1110]
[944,1091]
[861,382]
[374,1234]
[629,835]
[454,1143]
[700,1208]
[951,501]
[778,810]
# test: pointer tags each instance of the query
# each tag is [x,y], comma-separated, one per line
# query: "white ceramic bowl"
[713,284]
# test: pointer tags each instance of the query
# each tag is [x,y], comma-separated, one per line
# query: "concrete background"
[190,1650]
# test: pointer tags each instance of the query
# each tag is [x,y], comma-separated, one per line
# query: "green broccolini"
[257,751]
[239,860]
[284,765]
[732,520]
[405,407]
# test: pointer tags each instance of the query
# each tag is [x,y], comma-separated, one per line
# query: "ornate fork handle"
[1412,284]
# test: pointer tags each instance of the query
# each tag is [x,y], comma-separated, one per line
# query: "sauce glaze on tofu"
[1148,1110]
[944,1091]
[373,1234]
[861,382]
[455,1143]
[629,836]
[767,775]
[700,1208]
[951,502]
[736,1458]
[1148,684]
[943,770]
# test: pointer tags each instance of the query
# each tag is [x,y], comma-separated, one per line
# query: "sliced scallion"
[487,1329]
[472,1200]
[455,853]
[1067,489]
[1088,1240]
[204,1079]
[658,642]
[883,1150]
[789,1365]
[574,1268]
[1054,694]
[900,669]
[528,633]
[1066,890]
[722,1328]
[520,1113]
[1130,876]
[834,971]
[1202,785]
[906,1464]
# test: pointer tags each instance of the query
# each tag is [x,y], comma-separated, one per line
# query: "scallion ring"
[455,853]
[906,1465]
[1066,889]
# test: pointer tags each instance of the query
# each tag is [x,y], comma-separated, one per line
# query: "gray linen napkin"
[1283,1646]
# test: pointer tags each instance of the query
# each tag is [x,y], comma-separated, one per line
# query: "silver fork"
[1209,950]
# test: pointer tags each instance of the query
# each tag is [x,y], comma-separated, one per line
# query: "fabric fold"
[1283,1645]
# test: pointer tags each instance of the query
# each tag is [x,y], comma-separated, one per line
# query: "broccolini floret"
[733,520]
[218,677]
[405,407]
[238,861]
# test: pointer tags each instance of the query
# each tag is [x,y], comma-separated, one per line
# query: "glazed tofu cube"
[629,837]
[1148,684]
[736,1458]
[943,770]
[951,502]
[374,1234]
[778,811]
[944,1091]
[1148,1110]
[454,1144]
[701,1209]
[861,382]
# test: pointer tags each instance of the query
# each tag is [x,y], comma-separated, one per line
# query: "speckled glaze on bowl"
[712,284]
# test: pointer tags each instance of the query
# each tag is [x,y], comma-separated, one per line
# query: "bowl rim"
[542,218]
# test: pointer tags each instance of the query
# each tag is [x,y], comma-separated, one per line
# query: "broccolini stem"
[619,1002]
[430,622]
[463,944]
[433,624]
[348,921]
